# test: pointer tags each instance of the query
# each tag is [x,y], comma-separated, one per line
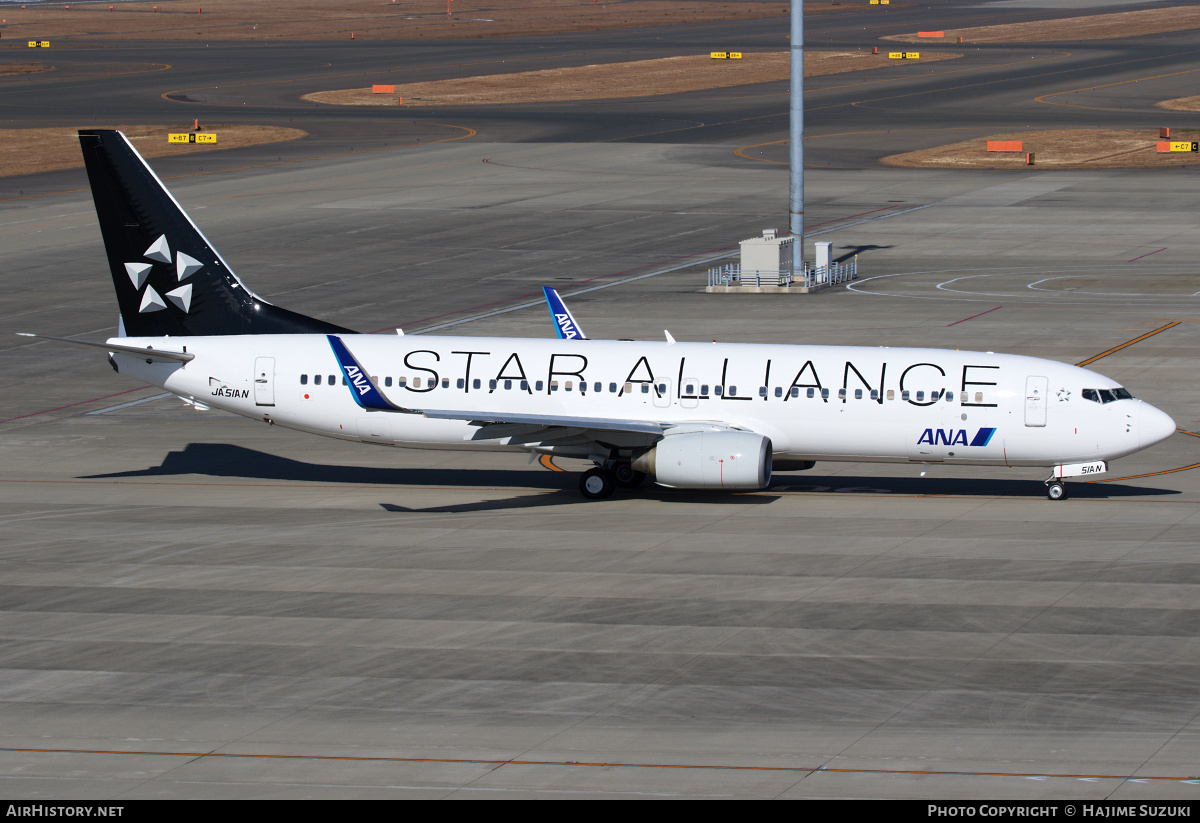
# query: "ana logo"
[569,331]
[356,377]
[955,437]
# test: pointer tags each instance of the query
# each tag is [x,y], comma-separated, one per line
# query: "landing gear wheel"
[626,476]
[597,484]
[1056,491]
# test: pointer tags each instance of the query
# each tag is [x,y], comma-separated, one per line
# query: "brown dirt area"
[23,68]
[1055,150]
[374,19]
[640,78]
[1180,104]
[1091,27]
[28,151]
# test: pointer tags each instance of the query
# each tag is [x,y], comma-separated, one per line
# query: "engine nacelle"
[709,460]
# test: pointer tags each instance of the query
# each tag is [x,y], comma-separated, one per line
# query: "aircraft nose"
[1154,426]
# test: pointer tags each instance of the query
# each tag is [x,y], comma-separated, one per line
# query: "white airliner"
[692,415]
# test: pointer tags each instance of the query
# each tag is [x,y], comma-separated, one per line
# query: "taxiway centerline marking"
[1127,343]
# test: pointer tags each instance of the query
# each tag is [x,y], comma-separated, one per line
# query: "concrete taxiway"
[196,605]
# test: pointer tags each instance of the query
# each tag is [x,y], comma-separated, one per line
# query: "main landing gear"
[1056,489]
[600,482]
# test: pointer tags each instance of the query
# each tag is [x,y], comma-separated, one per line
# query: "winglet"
[564,322]
[364,391]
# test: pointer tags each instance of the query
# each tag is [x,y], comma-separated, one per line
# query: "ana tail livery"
[692,415]
[565,326]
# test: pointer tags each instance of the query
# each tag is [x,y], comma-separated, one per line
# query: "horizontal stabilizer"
[147,351]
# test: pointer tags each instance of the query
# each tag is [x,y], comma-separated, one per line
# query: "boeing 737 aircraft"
[692,415]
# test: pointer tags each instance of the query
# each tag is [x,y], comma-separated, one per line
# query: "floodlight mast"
[796,138]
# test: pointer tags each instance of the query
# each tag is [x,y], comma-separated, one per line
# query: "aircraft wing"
[549,420]
[564,322]
[368,396]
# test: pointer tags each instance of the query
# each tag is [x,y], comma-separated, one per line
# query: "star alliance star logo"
[185,267]
[1064,395]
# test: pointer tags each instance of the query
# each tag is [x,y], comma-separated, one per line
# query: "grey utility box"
[769,253]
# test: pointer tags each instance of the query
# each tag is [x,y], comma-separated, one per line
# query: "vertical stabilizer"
[168,277]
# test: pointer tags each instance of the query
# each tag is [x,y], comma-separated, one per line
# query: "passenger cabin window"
[779,391]
[628,388]
[507,385]
[612,388]
[891,394]
[717,391]
[460,383]
[567,385]
[416,382]
[810,394]
[824,394]
[492,385]
[445,382]
[538,385]
[874,394]
[304,380]
[476,383]
[920,396]
[949,396]
[402,382]
[858,394]
[703,390]
[762,391]
[645,388]
[332,380]
[524,385]
[597,387]
[553,385]
[387,382]
[842,394]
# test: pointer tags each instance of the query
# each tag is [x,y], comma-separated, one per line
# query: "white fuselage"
[821,403]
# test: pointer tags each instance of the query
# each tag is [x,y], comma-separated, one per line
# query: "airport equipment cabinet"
[769,253]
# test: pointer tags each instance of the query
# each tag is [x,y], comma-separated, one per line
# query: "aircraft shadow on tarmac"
[852,251]
[227,460]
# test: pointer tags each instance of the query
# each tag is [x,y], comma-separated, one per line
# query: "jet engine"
[709,460]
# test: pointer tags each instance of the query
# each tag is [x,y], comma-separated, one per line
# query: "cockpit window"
[1107,395]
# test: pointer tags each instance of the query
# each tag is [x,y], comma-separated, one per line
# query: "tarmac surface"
[192,605]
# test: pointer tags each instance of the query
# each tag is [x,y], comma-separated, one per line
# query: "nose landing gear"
[1056,489]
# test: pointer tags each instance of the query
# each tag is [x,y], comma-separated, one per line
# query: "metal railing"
[830,275]
[811,277]
[732,275]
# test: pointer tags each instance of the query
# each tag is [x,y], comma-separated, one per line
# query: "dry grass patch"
[1061,149]
[640,78]
[1180,104]
[28,151]
[373,19]
[1090,27]
[23,68]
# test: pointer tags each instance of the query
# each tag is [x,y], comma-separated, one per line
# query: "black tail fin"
[169,279]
